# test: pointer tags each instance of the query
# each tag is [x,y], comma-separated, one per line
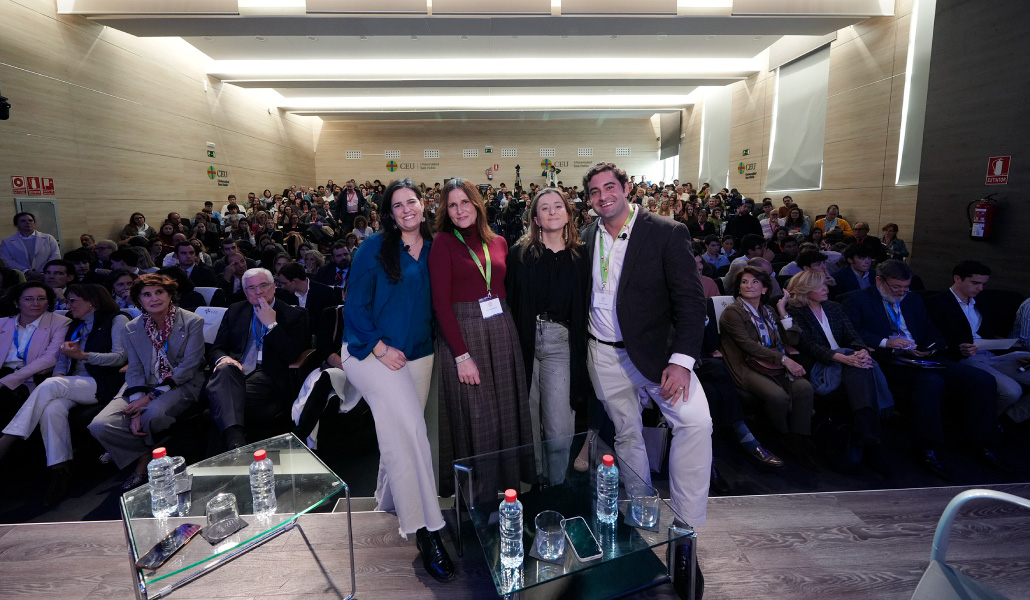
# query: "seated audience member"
[81,260]
[963,320]
[59,274]
[119,283]
[857,275]
[335,273]
[751,246]
[1021,328]
[753,341]
[727,247]
[203,235]
[126,259]
[165,351]
[231,278]
[795,223]
[87,372]
[810,260]
[701,228]
[137,226]
[816,237]
[707,283]
[187,258]
[313,261]
[310,295]
[178,225]
[862,237]
[229,245]
[836,357]
[834,228]
[103,251]
[789,251]
[744,222]
[895,247]
[29,341]
[171,259]
[770,221]
[256,342]
[156,250]
[28,250]
[897,324]
[189,298]
[713,252]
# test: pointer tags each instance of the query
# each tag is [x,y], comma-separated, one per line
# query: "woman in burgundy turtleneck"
[484,401]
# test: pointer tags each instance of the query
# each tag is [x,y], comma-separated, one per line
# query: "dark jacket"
[947,316]
[660,302]
[518,283]
[109,379]
[813,344]
[282,345]
[867,313]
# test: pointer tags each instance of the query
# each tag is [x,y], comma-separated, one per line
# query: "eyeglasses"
[897,289]
[250,289]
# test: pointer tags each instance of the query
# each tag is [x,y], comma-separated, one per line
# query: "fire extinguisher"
[981,217]
[490,174]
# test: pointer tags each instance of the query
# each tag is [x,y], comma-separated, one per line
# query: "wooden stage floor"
[865,544]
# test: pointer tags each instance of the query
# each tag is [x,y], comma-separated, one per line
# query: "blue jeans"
[553,419]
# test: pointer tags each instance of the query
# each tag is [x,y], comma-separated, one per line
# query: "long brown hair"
[443,220]
[531,241]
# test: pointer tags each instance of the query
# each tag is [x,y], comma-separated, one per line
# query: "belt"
[546,318]
[620,345]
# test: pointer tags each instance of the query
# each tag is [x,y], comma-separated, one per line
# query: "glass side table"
[634,557]
[302,483]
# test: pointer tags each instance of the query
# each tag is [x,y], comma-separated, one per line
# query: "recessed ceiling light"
[757,37]
[709,37]
[662,37]
[414,37]
[259,38]
[565,36]
[208,39]
[514,37]
[611,89]
[613,37]
[312,38]
[362,37]
[464,37]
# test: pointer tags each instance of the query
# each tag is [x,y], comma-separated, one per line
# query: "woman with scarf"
[165,348]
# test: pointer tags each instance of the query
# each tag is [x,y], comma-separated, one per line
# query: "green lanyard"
[488,272]
[606,260]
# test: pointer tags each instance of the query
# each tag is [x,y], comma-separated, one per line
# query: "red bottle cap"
[260,455]
[510,495]
[160,452]
[608,460]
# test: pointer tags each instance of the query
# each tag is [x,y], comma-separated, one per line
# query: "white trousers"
[618,385]
[48,406]
[406,483]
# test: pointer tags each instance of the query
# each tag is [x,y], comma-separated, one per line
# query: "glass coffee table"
[633,557]
[302,483]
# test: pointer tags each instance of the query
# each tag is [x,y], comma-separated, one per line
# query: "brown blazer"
[740,339]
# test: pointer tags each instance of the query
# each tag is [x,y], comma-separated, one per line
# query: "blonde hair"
[801,284]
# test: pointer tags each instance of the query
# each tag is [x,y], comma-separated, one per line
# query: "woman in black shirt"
[546,284]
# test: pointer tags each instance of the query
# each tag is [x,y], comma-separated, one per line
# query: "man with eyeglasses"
[256,342]
[897,325]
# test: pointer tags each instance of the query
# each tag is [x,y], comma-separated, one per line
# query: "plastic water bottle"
[164,502]
[511,530]
[607,490]
[262,485]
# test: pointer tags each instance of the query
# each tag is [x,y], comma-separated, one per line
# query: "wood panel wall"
[121,124]
[450,137]
[975,109]
[863,124]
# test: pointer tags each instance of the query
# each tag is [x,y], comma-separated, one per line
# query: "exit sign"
[210,153]
[747,152]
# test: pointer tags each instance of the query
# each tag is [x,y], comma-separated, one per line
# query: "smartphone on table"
[169,545]
[582,540]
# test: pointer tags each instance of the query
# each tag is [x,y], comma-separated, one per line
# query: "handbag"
[765,367]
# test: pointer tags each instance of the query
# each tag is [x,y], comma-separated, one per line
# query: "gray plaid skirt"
[491,416]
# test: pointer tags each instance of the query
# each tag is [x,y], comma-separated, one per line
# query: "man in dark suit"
[310,295]
[896,323]
[963,319]
[200,275]
[349,204]
[334,274]
[638,260]
[256,342]
[879,252]
[857,275]
[744,222]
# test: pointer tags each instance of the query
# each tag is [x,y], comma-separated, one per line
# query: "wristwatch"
[784,359]
[271,327]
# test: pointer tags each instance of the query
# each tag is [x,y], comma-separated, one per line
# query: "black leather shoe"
[803,451]
[763,457]
[989,458]
[681,579]
[928,460]
[717,484]
[434,555]
[58,489]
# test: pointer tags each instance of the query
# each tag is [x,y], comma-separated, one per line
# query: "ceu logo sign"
[740,168]
[211,172]
[391,166]
[394,165]
[545,164]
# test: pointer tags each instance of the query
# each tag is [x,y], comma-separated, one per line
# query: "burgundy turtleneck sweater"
[454,277]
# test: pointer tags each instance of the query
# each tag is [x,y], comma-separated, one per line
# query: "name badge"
[491,307]
[603,300]
[260,354]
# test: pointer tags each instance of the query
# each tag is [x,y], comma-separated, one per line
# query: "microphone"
[407,248]
[624,236]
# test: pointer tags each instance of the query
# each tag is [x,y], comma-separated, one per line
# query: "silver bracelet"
[379,356]
[460,359]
